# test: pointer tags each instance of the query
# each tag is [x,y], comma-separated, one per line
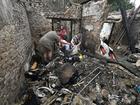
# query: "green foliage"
[125,3]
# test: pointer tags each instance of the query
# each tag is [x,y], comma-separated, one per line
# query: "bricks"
[93,15]
[39,10]
[38,25]
[15,41]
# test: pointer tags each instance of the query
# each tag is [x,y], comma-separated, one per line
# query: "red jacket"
[62,33]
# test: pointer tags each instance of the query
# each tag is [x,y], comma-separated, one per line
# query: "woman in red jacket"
[63,33]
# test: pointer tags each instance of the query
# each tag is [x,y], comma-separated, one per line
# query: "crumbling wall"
[93,16]
[15,43]
[39,10]
[39,25]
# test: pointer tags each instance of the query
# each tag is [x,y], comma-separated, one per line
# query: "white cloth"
[107,49]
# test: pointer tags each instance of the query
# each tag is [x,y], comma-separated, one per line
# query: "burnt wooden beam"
[121,62]
[66,19]
[132,17]
[53,24]
[126,24]
[84,2]
[81,1]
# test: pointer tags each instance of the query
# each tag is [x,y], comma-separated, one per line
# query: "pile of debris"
[81,83]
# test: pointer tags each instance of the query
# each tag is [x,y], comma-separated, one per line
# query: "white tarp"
[106,31]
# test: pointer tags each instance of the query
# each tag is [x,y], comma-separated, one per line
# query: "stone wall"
[15,44]
[93,16]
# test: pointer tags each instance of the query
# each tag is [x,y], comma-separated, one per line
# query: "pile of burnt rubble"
[88,82]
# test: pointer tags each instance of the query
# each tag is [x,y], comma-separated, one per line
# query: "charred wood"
[128,66]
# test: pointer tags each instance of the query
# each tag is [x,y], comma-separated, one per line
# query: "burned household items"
[69,52]
[83,78]
[85,83]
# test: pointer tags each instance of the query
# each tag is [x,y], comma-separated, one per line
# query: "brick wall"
[94,14]
[39,25]
[15,43]
[39,10]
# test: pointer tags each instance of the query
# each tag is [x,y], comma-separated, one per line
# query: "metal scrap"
[43,91]
[89,82]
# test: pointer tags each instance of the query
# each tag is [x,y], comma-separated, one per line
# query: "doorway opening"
[71,26]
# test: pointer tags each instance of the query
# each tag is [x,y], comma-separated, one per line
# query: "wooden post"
[126,25]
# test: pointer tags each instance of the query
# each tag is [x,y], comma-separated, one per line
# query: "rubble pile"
[81,83]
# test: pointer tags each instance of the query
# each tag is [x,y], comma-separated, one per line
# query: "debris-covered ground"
[84,83]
